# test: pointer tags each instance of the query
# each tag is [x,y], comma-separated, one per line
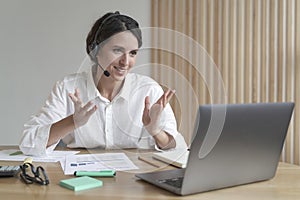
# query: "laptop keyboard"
[175,182]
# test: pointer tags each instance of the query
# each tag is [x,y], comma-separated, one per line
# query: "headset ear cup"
[94,51]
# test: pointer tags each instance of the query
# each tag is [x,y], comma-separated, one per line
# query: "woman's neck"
[108,87]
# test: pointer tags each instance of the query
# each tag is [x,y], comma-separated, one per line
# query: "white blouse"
[116,124]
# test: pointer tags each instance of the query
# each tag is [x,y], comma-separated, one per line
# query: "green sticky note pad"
[80,183]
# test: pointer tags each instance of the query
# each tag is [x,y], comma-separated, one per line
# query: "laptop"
[233,144]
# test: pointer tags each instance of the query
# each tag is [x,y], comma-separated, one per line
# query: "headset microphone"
[105,72]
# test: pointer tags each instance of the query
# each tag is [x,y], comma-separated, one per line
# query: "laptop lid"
[233,144]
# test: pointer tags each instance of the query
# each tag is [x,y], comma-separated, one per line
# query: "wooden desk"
[285,185]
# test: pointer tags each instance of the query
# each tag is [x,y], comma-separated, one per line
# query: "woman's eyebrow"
[117,46]
[134,50]
[123,49]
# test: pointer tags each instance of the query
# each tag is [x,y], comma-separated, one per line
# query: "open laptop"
[233,144]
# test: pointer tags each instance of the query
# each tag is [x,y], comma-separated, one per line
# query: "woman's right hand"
[82,112]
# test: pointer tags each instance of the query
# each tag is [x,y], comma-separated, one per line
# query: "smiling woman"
[117,56]
[112,111]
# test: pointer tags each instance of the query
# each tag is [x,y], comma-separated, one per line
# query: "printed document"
[17,155]
[97,162]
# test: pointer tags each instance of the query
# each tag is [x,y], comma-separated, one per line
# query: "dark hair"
[107,26]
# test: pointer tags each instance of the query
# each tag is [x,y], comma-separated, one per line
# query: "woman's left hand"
[151,116]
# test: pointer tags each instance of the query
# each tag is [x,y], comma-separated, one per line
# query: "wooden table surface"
[285,185]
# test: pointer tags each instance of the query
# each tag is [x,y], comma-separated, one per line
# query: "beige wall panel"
[254,44]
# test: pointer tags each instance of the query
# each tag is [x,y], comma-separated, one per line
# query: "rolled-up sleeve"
[34,139]
[169,125]
[36,131]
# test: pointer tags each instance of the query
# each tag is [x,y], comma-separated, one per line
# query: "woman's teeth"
[119,69]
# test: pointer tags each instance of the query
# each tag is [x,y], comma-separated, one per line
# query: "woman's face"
[118,55]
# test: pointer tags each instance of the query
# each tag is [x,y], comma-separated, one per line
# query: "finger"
[77,105]
[76,100]
[77,95]
[145,118]
[73,98]
[161,99]
[91,111]
[147,102]
[170,95]
[167,96]
[88,105]
[147,106]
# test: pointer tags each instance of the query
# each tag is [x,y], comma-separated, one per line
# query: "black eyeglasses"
[33,175]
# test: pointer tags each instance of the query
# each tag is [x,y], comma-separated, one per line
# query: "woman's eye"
[133,53]
[117,50]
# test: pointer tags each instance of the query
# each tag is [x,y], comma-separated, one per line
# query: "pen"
[148,161]
[16,153]
[102,173]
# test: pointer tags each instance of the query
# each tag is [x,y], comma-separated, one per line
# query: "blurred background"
[238,51]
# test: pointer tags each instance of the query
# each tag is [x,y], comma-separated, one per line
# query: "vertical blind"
[253,46]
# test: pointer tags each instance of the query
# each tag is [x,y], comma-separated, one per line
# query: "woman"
[106,106]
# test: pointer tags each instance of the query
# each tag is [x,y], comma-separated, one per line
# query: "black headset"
[94,47]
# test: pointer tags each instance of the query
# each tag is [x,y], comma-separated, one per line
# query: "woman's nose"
[124,59]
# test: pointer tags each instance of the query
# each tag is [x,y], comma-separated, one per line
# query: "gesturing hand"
[151,116]
[82,112]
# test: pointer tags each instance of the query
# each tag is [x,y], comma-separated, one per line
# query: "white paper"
[97,162]
[50,157]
